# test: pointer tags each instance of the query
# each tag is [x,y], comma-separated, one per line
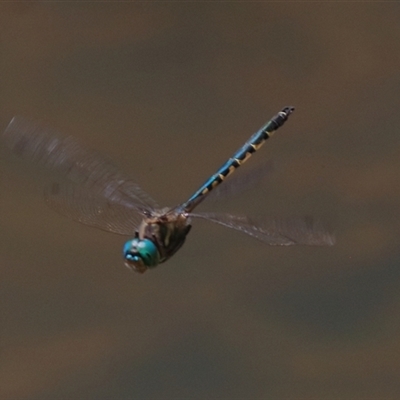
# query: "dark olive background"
[170,90]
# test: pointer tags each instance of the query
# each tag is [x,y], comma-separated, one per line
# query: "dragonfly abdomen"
[240,157]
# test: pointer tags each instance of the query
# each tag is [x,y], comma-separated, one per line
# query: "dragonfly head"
[141,254]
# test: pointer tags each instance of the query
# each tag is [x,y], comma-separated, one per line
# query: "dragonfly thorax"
[157,239]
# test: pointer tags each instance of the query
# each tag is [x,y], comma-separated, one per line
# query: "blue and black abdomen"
[240,157]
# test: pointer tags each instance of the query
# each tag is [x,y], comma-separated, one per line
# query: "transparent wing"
[274,231]
[80,204]
[96,173]
[240,182]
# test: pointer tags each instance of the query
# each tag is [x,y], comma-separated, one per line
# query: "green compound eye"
[141,254]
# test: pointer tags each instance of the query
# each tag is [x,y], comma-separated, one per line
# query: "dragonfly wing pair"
[95,193]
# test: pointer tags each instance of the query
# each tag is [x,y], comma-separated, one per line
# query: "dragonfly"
[95,192]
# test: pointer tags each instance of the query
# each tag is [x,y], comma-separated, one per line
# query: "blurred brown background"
[170,90]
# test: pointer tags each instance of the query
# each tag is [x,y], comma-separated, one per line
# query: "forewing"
[96,173]
[241,181]
[79,204]
[275,231]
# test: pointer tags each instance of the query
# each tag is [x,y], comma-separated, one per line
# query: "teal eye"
[141,254]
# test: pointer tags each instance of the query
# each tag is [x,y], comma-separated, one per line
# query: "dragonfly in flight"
[96,193]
